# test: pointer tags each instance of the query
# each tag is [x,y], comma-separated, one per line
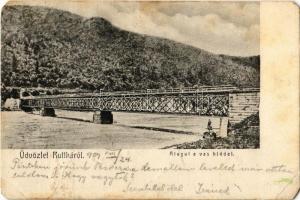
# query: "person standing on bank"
[209,127]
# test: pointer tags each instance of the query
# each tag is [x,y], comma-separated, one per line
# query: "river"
[74,130]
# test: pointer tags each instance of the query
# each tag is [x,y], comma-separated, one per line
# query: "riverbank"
[244,135]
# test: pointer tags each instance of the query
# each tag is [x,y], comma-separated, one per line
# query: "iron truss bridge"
[194,101]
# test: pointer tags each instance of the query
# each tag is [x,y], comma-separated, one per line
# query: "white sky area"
[230,28]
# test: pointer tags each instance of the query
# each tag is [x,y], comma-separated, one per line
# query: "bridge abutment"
[47,112]
[103,117]
[242,105]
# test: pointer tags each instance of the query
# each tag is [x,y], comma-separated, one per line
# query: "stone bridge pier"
[47,112]
[103,117]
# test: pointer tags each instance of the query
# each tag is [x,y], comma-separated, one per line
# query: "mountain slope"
[54,48]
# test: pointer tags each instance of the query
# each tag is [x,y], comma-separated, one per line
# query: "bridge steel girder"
[232,103]
[208,104]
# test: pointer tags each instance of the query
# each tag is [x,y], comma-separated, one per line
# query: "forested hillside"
[54,48]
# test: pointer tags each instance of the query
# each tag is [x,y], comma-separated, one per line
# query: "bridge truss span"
[234,103]
[193,103]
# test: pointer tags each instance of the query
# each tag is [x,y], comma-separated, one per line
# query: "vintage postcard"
[149,99]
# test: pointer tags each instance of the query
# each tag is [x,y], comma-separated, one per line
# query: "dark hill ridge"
[55,48]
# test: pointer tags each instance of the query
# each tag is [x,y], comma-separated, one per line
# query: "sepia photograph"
[130,75]
[129,99]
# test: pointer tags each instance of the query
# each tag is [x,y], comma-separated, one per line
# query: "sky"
[230,28]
